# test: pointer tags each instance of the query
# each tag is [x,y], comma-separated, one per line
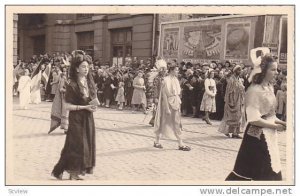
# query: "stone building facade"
[114,37]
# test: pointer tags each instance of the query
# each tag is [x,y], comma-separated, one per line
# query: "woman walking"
[168,118]
[208,103]
[258,157]
[78,154]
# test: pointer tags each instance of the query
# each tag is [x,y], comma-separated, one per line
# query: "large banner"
[170,42]
[237,40]
[283,43]
[202,42]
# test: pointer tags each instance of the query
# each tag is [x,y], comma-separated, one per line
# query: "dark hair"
[189,64]
[77,59]
[171,68]
[266,61]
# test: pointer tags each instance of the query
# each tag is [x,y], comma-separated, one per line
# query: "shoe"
[184,148]
[58,177]
[157,145]
[237,137]
[74,177]
[151,123]
[207,121]
[227,134]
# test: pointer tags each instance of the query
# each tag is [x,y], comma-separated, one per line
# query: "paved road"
[124,149]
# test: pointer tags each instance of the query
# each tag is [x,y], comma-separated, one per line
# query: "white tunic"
[261,102]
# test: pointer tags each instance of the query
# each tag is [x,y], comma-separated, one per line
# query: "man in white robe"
[168,117]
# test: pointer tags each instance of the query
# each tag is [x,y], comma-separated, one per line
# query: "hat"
[236,67]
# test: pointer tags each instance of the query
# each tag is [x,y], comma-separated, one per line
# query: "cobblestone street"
[124,151]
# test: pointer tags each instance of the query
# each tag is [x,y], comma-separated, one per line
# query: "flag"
[35,93]
[46,74]
[35,84]
[56,112]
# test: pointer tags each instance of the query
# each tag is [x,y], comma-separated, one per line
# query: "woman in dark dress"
[78,154]
[128,88]
[221,89]
[108,91]
[258,157]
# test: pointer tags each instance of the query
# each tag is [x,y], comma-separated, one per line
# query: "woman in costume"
[78,154]
[258,157]
[168,117]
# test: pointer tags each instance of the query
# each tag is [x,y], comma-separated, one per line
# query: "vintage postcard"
[149,95]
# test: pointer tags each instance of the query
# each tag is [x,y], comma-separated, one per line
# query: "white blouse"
[261,102]
[209,82]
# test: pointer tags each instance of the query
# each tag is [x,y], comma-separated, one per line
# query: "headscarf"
[257,60]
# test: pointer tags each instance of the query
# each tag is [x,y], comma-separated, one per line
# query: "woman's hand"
[280,122]
[280,127]
[91,108]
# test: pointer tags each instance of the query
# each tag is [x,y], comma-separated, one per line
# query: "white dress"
[24,89]
[209,97]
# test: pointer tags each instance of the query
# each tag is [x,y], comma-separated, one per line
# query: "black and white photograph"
[149,95]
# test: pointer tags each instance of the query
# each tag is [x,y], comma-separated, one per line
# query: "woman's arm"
[278,121]
[164,98]
[72,107]
[266,124]
[61,85]
[206,84]
[135,85]
[215,88]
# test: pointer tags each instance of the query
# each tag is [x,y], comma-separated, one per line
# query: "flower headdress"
[78,54]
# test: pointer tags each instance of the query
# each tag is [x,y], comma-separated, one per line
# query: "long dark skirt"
[78,154]
[253,161]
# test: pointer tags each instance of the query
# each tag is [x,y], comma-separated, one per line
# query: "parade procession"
[150,97]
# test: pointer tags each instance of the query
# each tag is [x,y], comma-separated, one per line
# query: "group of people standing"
[249,103]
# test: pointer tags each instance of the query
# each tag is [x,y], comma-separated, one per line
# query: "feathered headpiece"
[161,63]
[257,60]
